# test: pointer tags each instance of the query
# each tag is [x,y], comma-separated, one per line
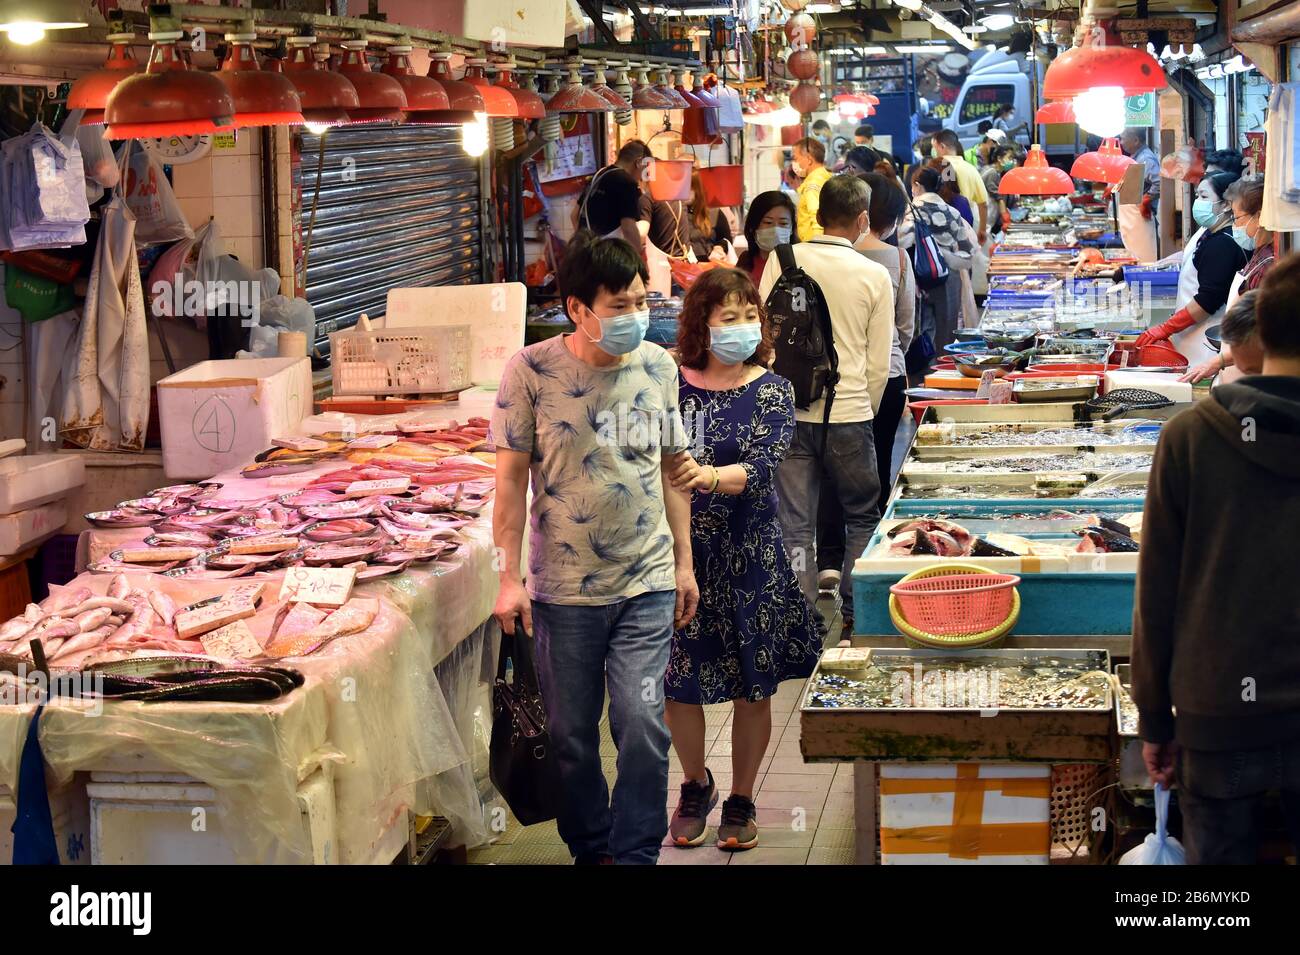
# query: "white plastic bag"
[42,192]
[150,198]
[97,156]
[1159,848]
[730,117]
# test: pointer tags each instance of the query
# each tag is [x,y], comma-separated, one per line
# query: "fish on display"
[1103,540]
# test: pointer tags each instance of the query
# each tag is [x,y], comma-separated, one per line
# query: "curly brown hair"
[712,289]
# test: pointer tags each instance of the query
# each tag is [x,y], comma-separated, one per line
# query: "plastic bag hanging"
[42,192]
[1159,848]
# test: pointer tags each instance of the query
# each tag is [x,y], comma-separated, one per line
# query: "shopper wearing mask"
[940,306]
[948,148]
[809,164]
[1210,261]
[754,629]
[1218,696]
[710,232]
[888,206]
[769,223]
[1001,161]
[610,573]
[860,301]
[1247,198]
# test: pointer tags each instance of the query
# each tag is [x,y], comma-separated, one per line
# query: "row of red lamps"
[1036,177]
[170,98]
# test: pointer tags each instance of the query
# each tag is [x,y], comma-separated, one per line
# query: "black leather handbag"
[522,763]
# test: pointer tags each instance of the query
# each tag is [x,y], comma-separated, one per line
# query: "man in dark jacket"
[1216,631]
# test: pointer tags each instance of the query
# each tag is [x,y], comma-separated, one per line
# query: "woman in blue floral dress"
[753,628]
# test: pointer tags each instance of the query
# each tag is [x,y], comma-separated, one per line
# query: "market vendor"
[1210,262]
[611,203]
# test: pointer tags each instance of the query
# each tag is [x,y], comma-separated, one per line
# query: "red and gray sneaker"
[690,818]
[739,827]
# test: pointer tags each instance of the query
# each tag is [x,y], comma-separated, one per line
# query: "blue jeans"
[1219,792]
[580,651]
[850,464]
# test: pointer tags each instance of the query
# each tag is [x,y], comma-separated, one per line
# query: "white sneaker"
[828,581]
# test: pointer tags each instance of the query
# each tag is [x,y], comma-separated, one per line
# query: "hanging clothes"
[1281,212]
[106,377]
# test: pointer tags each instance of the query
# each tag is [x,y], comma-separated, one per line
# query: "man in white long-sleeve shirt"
[860,299]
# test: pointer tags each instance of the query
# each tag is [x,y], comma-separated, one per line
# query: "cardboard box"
[218,415]
[965,814]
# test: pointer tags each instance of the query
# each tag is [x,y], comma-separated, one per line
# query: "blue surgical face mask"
[1203,212]
[621,334]
[1247,242]
[732,344]
[769,237]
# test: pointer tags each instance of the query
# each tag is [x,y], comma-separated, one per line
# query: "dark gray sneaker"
[739,827]
[690,818]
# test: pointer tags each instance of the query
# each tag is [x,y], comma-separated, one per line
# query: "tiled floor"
[805,810]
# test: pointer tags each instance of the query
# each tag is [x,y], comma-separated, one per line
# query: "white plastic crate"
[401,361]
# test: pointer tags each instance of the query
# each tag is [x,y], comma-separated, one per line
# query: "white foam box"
[172,819]
[965,813]
[29,480]
[70,810]
[22,529]
[219,414]
[1162,383]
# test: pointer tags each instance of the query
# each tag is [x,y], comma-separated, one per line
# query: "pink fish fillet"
[354,616]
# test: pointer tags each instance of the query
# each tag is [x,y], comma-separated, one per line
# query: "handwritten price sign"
[318,585]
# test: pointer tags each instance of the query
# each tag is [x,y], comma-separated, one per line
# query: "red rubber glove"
[1146,206]
[1179,321]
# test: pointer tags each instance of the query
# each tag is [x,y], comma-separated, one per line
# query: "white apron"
[1191,343]
[1137,234]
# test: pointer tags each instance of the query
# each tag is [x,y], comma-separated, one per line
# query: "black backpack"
[803,342]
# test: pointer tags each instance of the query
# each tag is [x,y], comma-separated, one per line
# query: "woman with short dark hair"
[754,628]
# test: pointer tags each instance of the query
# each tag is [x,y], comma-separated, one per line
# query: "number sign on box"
[495,314]
[318,585]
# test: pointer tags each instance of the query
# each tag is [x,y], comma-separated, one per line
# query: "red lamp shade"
[576,98]
[855,106]
[1036,178]
[705,95]
[1108,164]
[382,98]
[326,96]
[647,96]
[665,85]
[1061,111]
[1082,68]
[606,92]
[261,99]
[427,102]
[464,97]
[530,104]
[498,102]
[90,92]
[168,99]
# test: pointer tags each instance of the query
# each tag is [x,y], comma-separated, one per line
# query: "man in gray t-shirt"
[591,421]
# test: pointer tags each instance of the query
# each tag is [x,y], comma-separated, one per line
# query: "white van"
[998,78]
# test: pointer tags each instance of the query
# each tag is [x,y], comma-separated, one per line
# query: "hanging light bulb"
[326,96]
[1108,164]
[1100,111]
[261,99]
[26,21]
[474,135]
[168,98]
[623,87]
[90,92]
[1036,177]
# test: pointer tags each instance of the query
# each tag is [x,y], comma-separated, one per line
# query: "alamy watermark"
[179,297]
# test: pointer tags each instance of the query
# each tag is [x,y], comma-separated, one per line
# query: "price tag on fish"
[243,593]
[384,486]
[232,642]
[261,544]
[318,585]
[372,442]
[191,623]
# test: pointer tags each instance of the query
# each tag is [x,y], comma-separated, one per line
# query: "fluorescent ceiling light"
[856,50]
[927,48]
[908,4]
[973,28]
[998,21]
[822,8]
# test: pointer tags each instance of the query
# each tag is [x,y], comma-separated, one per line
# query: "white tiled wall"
[227,184]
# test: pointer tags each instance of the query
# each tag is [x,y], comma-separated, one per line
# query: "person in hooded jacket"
[1223,495]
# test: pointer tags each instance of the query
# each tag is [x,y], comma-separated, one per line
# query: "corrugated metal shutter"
[398,206]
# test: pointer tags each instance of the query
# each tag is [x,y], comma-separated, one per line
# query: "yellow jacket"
[810,194]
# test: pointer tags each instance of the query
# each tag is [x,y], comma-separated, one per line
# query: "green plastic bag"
[35,297]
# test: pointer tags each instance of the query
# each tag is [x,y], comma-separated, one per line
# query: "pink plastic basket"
[956,604]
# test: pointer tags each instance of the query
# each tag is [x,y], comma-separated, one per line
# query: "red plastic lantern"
[261,99]
[90,92]
[802,64]
[1108,164]
[168,98]
[806,98]
[1036,178]
[800,30]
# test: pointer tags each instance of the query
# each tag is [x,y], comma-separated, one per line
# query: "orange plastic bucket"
[723,185]
[669,179]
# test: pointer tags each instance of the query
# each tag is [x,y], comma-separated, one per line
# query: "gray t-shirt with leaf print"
[598,529]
